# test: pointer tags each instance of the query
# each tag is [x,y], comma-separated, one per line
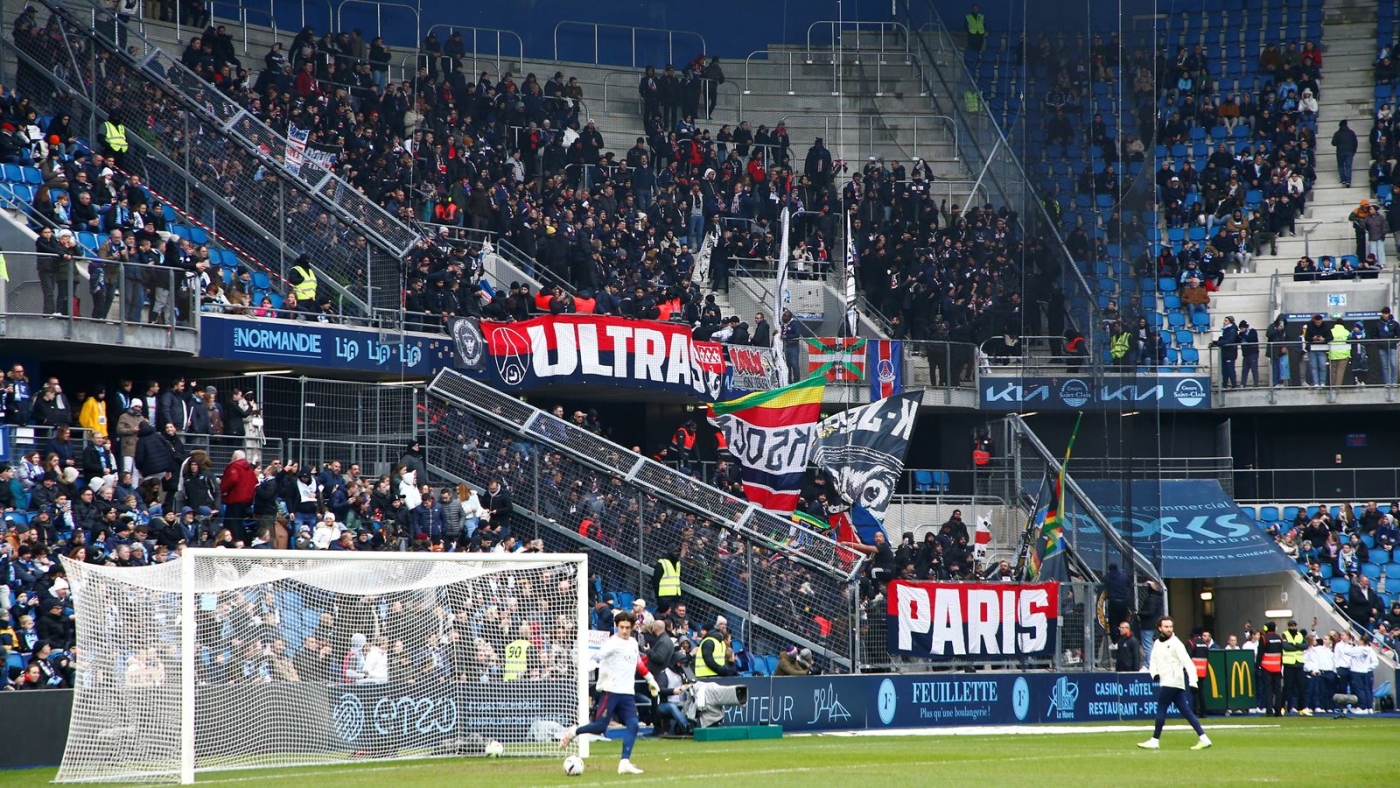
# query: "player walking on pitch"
[1174,672]
[618,661]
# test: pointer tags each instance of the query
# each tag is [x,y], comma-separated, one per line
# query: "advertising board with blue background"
[310,344]
[871,702]
[1146,392]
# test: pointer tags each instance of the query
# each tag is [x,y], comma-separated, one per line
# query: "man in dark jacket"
[1344,141]
[1127,652]
[159,454]
[762,332]
[497,501]
[1116,588]
[173,407]
[818,165]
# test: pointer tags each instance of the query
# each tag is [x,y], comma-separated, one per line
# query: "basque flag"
[884,366]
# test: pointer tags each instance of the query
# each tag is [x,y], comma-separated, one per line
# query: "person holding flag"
[1172,669]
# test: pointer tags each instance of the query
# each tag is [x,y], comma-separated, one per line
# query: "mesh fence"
[778,591]
[318,660]
[194,135]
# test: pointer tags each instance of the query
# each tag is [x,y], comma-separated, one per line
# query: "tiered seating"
[1380,564]
[1231,35]
[20,183]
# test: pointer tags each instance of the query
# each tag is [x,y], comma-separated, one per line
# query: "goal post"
[247,659]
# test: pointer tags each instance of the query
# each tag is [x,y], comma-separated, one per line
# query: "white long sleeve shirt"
[1318,659]
[1172,665]
[618,662]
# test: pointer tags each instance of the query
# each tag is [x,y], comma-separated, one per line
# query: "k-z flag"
[884,366]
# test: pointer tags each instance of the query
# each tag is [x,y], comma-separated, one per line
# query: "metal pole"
[641,545]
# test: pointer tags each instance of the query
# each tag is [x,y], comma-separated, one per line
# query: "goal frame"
[189,597]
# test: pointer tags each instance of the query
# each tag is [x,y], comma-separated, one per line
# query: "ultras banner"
[609,351]
[972,621]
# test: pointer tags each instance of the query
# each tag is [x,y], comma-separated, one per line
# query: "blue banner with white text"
[1141,392]
[872,702]
[312,344]
[1194,527]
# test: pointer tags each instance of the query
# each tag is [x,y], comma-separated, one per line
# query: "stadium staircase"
[258,150]
[1348,93]
[778,583]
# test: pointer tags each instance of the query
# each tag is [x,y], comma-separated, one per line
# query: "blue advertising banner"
[1143,392]
[310,344]
[1197,530]
[820,703]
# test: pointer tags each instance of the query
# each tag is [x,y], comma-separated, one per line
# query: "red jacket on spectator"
[239,483]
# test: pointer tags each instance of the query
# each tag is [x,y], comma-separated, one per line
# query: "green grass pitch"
[1293,752]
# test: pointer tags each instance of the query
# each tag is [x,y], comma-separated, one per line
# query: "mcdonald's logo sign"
[1238,669]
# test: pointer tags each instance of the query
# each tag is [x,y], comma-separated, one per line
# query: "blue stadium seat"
[1339,585]
[1372,571]
[198,235]
[1381,557]
[923,481]
[32,176]
[1268,514]
[1190,356]
[1392,573]
[260,281]
[1290,513]
[12,173]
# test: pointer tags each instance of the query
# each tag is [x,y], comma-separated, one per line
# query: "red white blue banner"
[884,367]
[972,621]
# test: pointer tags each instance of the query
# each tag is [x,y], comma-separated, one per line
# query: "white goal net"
[265,658]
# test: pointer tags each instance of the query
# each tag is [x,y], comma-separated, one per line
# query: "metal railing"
[913,134]
[632,31]
[1290,370]
[475,49]
[838,30]
[828,81]
[83,290]
[1270,486]
[215,115]
[23,440]
[379,7]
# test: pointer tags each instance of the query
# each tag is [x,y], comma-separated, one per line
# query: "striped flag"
[982,540]
[884,366]
[839,359]
[770,434]
[1050,533]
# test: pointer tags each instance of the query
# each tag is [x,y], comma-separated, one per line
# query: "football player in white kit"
[619,660]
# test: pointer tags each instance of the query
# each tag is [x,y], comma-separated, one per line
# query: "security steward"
[1200,648]
[114,142]
[1270,658]
[1293,647]
[683,443]
[303,279]
[667,576]
[521,657]
[712,661]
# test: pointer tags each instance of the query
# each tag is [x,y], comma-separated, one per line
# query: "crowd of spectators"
[1346,555]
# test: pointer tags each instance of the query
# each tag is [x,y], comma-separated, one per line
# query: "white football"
[573,766]
[494,749]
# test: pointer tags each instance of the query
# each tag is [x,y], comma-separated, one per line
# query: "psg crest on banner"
[468,343]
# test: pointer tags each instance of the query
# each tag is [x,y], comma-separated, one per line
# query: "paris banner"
[972,621]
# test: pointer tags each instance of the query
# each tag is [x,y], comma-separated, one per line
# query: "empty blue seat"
[1339,585]
[1268,514]
[260,281]
[32,176]
[198,235]
[1191,356]
[11,172]
[923,481]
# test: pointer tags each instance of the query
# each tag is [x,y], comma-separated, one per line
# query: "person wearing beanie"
[790,664]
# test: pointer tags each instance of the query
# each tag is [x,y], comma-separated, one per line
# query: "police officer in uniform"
[667,576]
[520,654]
[1271,669]
[1293,647]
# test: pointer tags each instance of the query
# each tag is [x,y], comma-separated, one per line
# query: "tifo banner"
[296,147]
[598,350]
[862,450]
[1195,528]
[875,702]
[770,435]
[841,359]
[972,621]
[884,367]
[1075,393]
[309,344]
[586,349]
[747,368]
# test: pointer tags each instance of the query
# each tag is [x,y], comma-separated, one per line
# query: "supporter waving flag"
[770,434]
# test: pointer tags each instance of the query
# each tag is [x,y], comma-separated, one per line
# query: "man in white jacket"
[1174,672]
